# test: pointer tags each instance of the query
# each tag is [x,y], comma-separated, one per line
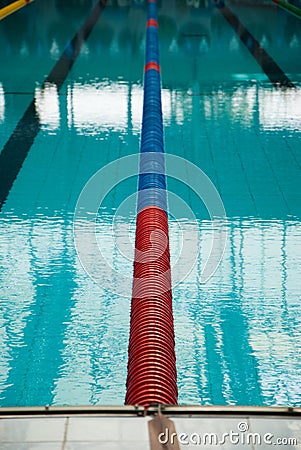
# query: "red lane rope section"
[152,65]
[152,363]
[152,23]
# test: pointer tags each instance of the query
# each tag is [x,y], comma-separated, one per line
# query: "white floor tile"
[32,446]
[134,429]
[107,446]
[32,430]
[94,429]
[107,429]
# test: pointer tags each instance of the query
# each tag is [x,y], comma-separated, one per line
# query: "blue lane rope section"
[152,166]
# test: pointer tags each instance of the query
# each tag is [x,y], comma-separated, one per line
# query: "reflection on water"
[238,332]
[64,339]
[94,107]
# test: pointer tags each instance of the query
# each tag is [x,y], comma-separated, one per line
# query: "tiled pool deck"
[125,428]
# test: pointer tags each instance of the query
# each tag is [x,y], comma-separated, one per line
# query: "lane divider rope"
[13,7]
[152,372]
[292,9]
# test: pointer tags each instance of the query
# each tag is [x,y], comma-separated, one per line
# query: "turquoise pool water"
[63,337]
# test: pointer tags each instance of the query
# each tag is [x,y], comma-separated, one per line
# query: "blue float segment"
[149,198]
[152,126]
[152,180]
[152,163]
[152,10]
[152,49]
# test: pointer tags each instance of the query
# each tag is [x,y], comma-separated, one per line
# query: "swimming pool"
[64,337]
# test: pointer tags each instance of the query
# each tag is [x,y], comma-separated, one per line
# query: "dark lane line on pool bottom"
[266,62]
[18,145]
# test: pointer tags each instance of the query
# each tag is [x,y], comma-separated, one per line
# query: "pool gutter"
[137,411]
